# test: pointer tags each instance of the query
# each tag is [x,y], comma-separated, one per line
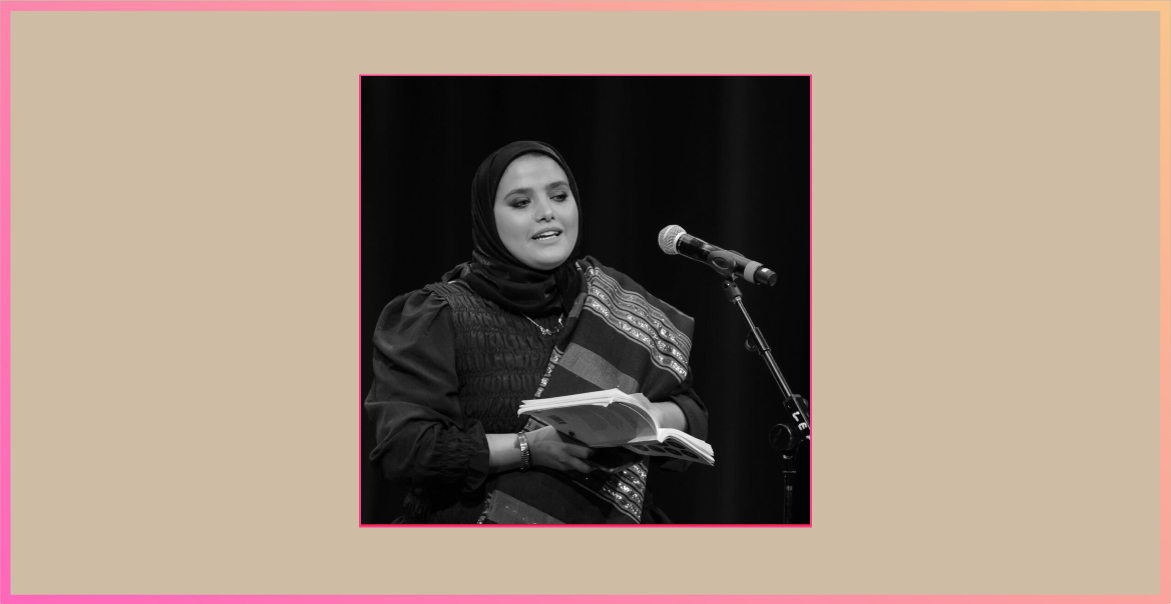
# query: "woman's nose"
[544,210]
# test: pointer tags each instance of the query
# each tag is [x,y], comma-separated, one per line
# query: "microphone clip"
[724,263]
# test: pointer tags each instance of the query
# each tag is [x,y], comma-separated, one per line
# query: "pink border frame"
[809,268]
[1161,7]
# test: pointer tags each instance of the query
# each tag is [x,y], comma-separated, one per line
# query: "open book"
[611,418]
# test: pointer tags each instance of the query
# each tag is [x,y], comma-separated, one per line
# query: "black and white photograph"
[585,300]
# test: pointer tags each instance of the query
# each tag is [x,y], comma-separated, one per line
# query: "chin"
[547,266]
[546,263]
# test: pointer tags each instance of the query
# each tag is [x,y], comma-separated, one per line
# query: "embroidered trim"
[649,311]
[487,504]
[553,359]
[506,509]
[631,315]
[626,491]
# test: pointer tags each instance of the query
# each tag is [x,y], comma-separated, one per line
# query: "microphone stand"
[785,437]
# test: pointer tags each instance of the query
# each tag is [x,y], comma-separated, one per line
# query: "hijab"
[494,273]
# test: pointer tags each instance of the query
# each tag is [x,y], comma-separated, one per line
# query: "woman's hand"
[550,451]
[667,413]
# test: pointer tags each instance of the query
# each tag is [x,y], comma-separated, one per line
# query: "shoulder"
[592,266]
[420,307]
[430,303]
[596,270]
[447,290]
[593,270]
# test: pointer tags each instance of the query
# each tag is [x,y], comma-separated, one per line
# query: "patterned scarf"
[617,336]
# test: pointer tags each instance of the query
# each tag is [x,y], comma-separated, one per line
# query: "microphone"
[674,240]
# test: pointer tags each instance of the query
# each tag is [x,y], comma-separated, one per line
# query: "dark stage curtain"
[726,158]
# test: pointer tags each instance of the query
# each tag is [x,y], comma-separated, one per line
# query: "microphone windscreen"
[669,238]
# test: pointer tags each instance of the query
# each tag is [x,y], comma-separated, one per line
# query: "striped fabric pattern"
[619,336]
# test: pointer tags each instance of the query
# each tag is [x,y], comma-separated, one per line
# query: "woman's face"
[536,214]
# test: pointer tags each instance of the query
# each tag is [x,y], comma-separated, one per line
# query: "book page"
[594,425]
[600,397]
[666,450]
[674,443]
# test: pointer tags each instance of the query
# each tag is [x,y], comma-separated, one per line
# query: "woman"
[528,317]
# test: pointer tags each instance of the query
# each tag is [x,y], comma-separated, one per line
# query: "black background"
[726,158]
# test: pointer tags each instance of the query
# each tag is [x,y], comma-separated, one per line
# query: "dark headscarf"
[494,273]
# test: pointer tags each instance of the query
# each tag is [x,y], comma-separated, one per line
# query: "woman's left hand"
[666,414]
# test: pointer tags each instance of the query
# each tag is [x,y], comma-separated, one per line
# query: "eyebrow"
[552,185]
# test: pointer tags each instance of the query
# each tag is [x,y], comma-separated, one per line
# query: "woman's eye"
[561,196]
[519,203]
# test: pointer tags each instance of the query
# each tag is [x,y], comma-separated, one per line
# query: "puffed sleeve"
[422,436]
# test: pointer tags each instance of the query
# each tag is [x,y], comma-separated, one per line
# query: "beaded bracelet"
[526,457]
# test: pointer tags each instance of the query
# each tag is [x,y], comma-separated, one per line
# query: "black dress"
[451,367]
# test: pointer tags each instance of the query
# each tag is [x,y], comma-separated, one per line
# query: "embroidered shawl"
[617,335]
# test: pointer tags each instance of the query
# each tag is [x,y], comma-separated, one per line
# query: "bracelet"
[526,456]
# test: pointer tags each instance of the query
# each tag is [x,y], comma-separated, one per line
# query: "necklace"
[544,331]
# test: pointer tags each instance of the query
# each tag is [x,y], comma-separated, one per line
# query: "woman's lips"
[547,236]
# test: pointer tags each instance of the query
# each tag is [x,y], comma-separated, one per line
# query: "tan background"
[185,303]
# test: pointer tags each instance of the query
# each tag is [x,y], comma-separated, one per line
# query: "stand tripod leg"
[787,472]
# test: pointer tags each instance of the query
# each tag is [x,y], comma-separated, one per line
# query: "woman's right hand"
[549,450]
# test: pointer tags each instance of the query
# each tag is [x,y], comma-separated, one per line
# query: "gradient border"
[1161,7]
